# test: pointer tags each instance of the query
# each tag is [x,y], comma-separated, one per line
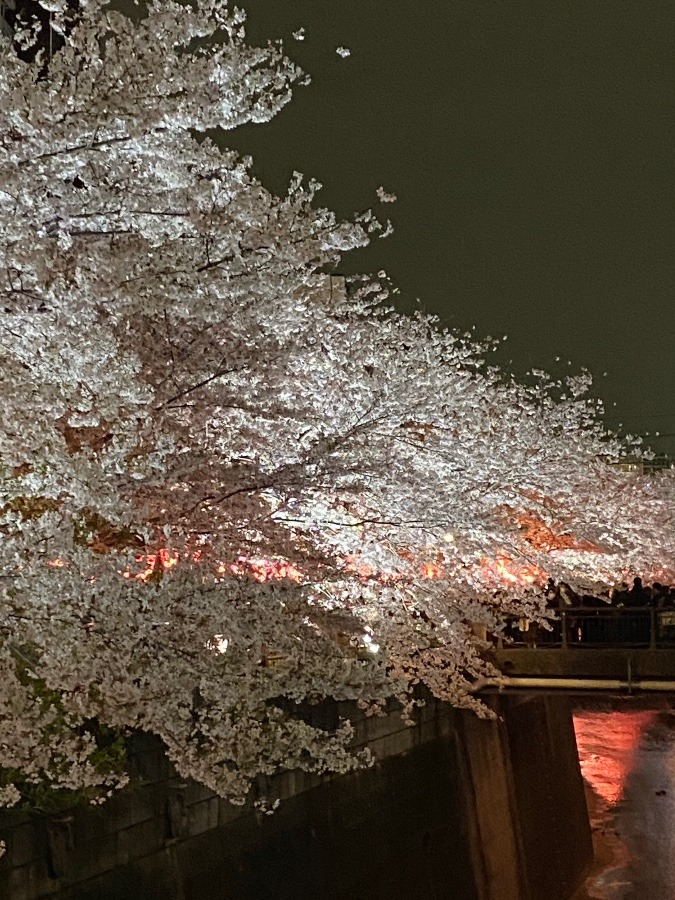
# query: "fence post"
[653,621]
[563,622]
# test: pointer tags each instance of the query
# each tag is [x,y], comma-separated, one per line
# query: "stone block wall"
[172,837]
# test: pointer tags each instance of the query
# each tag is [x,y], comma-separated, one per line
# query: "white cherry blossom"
[228,486]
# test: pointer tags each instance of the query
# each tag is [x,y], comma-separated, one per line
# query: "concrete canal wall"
[455,808]
[523,769]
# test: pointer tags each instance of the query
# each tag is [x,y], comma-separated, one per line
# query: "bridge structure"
[614,649]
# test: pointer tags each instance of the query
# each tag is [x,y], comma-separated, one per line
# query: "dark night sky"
[531,148]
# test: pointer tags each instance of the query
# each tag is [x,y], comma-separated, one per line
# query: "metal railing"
[635,627]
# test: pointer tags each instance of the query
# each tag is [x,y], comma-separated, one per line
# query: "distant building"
[646,466]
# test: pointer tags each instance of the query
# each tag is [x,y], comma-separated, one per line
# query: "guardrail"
[635,627]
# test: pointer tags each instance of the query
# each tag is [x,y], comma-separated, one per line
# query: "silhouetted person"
[660,595]
[552,595]
[621,595]
[567,596]
[638,596]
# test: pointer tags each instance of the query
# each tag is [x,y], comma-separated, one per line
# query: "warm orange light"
[607,742]
[262,569]
[162,560]
[502,569]
[542,536]
[505,569]
[366,571]
[352,563]
[432,570]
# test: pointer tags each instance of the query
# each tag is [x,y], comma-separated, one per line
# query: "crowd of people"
[656,595]
[620,616]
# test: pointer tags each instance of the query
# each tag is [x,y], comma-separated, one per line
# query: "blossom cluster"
[182,379]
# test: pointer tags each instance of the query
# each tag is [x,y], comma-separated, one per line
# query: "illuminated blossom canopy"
[228,484]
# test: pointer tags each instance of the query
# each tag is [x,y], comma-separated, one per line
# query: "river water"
[627,756]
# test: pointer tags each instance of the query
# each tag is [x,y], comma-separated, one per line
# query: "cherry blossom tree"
[229,485]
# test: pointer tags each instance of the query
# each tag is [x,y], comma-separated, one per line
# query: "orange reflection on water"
[608,742]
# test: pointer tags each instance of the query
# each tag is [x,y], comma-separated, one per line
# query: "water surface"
[627,759]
